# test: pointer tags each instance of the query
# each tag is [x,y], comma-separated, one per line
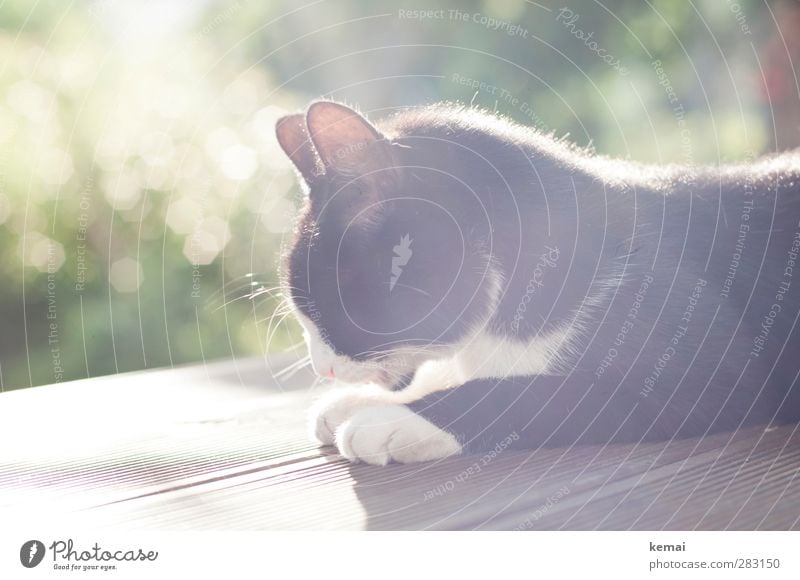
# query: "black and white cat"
[480,282]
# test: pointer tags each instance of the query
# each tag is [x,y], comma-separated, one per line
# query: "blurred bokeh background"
[143,196]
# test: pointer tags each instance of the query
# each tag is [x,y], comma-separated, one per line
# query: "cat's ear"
[346,141]
[295,142]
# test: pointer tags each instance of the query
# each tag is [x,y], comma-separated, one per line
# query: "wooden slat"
[224,446]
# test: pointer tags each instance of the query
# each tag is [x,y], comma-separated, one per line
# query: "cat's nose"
[330,374]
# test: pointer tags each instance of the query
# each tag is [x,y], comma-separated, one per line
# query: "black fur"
[667,274]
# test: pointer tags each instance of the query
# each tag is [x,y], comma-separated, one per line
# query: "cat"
[478,282]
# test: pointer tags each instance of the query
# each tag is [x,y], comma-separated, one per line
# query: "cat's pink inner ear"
[295,142]
[344,139]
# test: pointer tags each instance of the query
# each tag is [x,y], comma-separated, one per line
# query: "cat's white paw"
[338,405]
[378,435]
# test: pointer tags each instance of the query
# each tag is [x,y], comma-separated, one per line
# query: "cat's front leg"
[533,411]
[338,405]
[382,434]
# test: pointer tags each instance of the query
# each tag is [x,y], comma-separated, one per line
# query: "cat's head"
[382,272]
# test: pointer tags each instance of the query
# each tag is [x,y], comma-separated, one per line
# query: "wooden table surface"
[225,446]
